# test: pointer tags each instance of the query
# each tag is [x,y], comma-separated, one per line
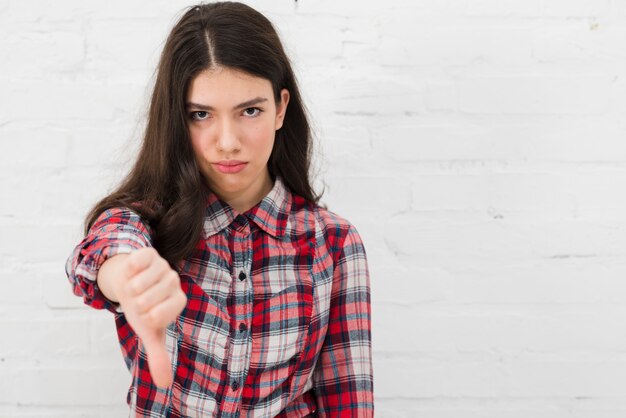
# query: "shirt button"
[242,327]
[235,385]
[242,276]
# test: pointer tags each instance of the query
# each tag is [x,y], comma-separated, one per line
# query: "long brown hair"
[165,186]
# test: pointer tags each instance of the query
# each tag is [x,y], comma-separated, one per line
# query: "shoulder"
[334,224]
[120,218]
[337,231]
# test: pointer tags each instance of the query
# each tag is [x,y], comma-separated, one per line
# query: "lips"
[230,166]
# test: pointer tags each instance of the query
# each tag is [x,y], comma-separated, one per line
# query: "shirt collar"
[270,214]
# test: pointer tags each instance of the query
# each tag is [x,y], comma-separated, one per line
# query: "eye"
[252,112]
[199,115]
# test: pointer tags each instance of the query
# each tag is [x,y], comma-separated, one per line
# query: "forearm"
[109,275]
[117,231]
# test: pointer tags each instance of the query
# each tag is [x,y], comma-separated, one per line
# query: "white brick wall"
[478,145]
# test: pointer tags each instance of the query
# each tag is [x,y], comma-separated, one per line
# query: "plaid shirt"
[277,321]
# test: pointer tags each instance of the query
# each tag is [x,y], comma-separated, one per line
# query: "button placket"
[242,264]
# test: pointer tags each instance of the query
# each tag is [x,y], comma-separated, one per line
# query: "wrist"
[110,277]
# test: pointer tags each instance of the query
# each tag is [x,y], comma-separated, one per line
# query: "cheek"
[198,139]
[261,138]
[197,149]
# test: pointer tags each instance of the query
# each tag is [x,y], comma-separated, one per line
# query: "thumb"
[159,362]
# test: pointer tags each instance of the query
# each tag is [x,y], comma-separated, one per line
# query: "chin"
[233,184]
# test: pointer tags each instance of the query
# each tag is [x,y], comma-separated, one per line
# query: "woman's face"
[233,118]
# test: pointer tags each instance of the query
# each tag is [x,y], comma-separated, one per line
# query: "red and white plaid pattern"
[278,315]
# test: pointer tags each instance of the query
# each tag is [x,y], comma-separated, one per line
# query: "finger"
[159,363]
[139,260]
[162,314]
[147,278]
[165,285]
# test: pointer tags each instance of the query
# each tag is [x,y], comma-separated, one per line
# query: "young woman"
[235,294]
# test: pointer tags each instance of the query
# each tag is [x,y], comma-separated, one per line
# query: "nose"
[228,138]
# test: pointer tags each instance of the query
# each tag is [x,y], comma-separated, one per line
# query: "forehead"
[227,85]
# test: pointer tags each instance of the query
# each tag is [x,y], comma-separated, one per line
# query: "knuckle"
[126,289]
[159,318]
[162,264]
[151,319]
[141,303]
[172,278]
[182,299]
[131,262]
[133,288]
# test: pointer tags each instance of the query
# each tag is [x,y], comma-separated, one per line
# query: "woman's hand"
[151,297]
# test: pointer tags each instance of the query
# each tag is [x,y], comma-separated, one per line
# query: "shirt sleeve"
[343,375]
[115,231]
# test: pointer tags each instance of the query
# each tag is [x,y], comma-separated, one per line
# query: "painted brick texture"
[479,146]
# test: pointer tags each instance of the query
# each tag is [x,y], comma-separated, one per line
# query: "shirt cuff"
[107,238]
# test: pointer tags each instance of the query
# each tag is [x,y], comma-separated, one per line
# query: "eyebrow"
[242,105]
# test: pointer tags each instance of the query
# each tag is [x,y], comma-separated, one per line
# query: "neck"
[243,201]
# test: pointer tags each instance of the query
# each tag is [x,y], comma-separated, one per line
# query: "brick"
[368,194]
[20,288]
[417,9]
[548,195]
[76,191]
[571,94]
[20,240]
[358,54]
[480,239]
[75,10]
[492,332]
[504,8]
[500,408]
[344,148]
[410,142]
[66,386]
[561,377]
[574,42]
[521,379]
[372,232]
[304,42]
[54,51]
[618,102]
[561,281]
[92,411]
[104,103]
[618,8]
[443,45]
[409,285]
[441,95]
[372,96]
[104,146]
[576,8]
[43,338]
[104,37]
[103,336]
[437,378]
[24,186]
[19,144]
[58,290]
[555,141]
